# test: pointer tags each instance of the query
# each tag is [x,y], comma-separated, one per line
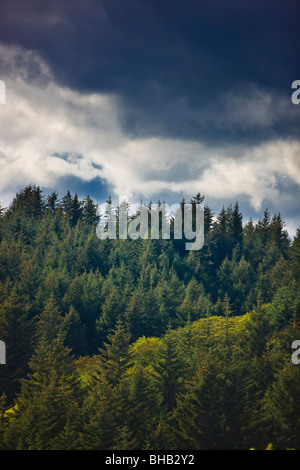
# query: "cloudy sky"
[153,99]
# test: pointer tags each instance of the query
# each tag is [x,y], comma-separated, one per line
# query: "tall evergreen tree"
[281,409]
[236,225]
[29,201]
[67,205]
[76,210]
[16,330]
[47,402]
[213,413]
[168,372]
[52,202]
[89,212]
[294,256]
[115,358]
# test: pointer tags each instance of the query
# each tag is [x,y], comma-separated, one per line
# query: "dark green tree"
[29,201]
[236,225]
[16,330]
[89,212]
[294,256]
[76,210]
[213,415]
[115,358]
[48,400]
[168,372]
[52,202]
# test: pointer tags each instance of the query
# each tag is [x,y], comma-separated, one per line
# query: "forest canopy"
[141,344]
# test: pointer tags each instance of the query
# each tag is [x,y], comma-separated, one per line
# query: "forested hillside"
[141,344]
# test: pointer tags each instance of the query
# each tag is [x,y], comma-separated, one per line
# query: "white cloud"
[42,121]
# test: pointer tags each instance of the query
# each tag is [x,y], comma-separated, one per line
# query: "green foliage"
[140,344]
[216,400]
[167,372]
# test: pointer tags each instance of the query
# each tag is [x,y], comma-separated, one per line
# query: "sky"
[153,100]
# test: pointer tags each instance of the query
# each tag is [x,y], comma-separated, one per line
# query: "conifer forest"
[141,344]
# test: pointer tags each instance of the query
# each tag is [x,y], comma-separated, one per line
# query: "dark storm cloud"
[186,69]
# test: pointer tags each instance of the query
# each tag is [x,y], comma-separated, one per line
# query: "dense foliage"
[141,344]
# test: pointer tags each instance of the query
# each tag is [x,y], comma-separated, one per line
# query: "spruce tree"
[168,371]
[236,225]
[115,357]
[16,330]
[294,256]
[48,399]
[52,202]
[212,415]
[89,212]
[76,210]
